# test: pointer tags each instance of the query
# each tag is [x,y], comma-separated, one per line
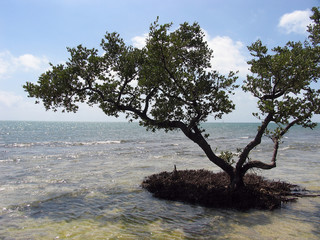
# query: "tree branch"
[273,96]
[171,74]
[286,129]
[148,97]
[197,137]
[255,142]
[175,97]
[122,89]
[262,165]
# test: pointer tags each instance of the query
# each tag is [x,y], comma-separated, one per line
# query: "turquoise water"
[67,180]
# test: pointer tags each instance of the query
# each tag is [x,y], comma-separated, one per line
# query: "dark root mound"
[211,189]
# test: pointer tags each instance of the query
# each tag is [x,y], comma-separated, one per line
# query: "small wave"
[94,143]
[6,160]
[10,160]
[22,145]
[247,137]
[161,156]
[220,138]
[286,148]
[60,144]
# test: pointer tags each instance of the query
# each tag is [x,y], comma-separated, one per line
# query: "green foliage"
[314,29]
[165,84]
[286,80]
[228,156]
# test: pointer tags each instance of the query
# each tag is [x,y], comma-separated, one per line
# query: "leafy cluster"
[166,82]
[283,82]
[286,81]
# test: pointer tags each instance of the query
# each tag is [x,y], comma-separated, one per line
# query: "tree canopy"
[165,84]
[169,84]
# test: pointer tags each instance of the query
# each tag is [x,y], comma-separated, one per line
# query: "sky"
[36,32]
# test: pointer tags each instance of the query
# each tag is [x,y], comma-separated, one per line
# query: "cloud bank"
[295,22]
[228,55]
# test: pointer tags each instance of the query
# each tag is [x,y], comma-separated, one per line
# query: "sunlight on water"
[91,229]
[253,225]
[82,181]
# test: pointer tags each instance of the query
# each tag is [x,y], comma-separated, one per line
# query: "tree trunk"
[236,181]
[196,137]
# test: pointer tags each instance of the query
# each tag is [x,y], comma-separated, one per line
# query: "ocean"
[76,180]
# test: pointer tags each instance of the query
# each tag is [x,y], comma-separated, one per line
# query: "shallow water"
[82,181]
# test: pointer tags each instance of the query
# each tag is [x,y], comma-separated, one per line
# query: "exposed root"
[211,189]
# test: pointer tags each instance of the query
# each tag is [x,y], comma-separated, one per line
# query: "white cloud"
[139,41]
[295,22]
[27,62]
[228,55]
[6,61]
[9,99]
[30,62]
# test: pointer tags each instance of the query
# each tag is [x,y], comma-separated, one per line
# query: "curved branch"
[257,164]
[255,142]
[286,129]
[197,137]
[261,165]
[273,96]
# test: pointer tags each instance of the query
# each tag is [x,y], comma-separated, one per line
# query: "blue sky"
[36,32]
